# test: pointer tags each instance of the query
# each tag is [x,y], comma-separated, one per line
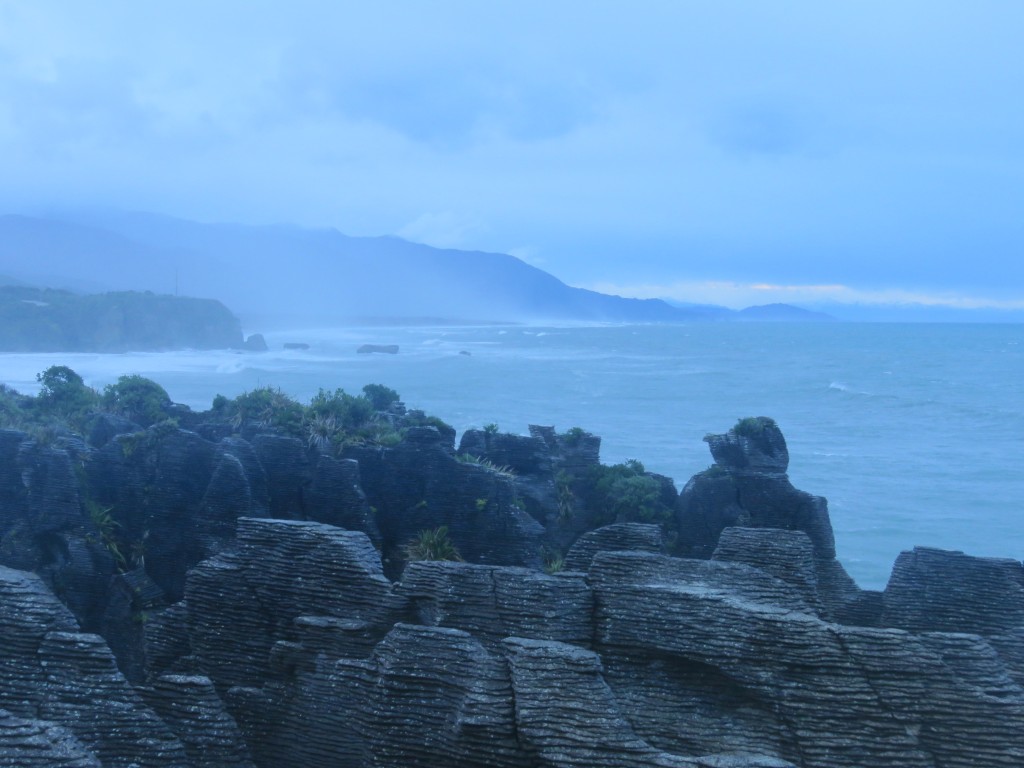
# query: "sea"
[913,432]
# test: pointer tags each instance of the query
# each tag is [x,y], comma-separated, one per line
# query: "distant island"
[49,320]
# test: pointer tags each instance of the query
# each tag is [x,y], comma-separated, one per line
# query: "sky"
[728,152]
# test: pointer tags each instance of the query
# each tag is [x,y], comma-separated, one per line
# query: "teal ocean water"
[914,433]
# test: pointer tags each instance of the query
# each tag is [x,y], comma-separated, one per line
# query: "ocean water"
[914,433]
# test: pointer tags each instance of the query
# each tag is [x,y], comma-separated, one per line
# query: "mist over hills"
[282,274]
[286,275]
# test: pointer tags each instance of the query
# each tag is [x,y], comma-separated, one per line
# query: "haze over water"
[912,432]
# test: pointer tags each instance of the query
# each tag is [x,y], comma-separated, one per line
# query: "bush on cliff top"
[64,396]
[65,403]
[753,426]
[332,420]
[12,408]
[138,399]
[625,493]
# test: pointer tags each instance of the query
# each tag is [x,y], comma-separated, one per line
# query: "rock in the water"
[255,343]
[748,487]
[387,349]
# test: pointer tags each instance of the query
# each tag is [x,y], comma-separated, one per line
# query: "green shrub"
[107,527]
[552,559]
[64,395]
[624,493]
[265,407]
[350,412]
[432,544]
[380,397]
[574,436]
[13,406]
[753,426]
[321,431]
[137,398]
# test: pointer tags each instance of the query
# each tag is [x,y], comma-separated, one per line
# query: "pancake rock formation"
[276,613]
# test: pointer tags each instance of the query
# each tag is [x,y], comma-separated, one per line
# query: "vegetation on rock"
[138,399]
[753,426]
[625,493]
[432,544]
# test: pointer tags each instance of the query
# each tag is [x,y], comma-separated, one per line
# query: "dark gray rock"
[525,455]
[387,349]
[753,445]
[638,537]
[190,706]
[41,744]
[567,715]
[748,487]
[255,343]
[104,427]
[56,676]
[498,602]
[240,604]
[748,671]
[945,591]
[420,484]
[787,555]
[286,463]
[335,496]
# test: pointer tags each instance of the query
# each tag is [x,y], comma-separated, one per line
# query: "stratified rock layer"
[66,684]
[251,631]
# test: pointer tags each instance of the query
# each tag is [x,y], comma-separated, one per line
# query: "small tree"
[137,398]
[625,493]
[381,397]
[64,394]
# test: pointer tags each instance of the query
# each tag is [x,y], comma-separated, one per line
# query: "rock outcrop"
[240,598]
[748,488]
[67,687]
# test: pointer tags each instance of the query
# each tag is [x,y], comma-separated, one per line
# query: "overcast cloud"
[662,148]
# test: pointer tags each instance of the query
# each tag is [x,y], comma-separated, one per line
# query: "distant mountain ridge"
[286,274]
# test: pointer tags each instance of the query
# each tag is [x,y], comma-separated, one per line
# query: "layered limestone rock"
[748,488]
[938,590]
[190,706]
[41,744]
[567,715]
[271,618]
[241,604]
[422,484]
[498,602]
[61,694]
[712,658]
[640,537]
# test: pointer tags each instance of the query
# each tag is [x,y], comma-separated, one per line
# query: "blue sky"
[729,152]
